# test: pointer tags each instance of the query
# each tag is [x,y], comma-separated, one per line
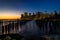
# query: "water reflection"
[34,27]
[41,27]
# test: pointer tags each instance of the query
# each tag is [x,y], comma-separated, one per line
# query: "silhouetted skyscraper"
[25,14]
[29,14]
[22,15]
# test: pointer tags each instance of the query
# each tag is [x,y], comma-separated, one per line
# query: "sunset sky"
[17,7]
[9,15]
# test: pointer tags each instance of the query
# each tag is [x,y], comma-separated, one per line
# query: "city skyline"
[18,7]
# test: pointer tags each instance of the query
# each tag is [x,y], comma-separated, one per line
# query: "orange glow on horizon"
[10,15]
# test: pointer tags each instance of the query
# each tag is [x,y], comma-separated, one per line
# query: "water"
[31,28]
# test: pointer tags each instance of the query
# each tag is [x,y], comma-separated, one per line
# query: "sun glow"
[9,15]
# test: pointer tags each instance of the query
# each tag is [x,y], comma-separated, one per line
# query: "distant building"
[22,15]
[25,14]
[29,14]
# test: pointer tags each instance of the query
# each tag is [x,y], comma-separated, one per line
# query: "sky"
[30,5]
